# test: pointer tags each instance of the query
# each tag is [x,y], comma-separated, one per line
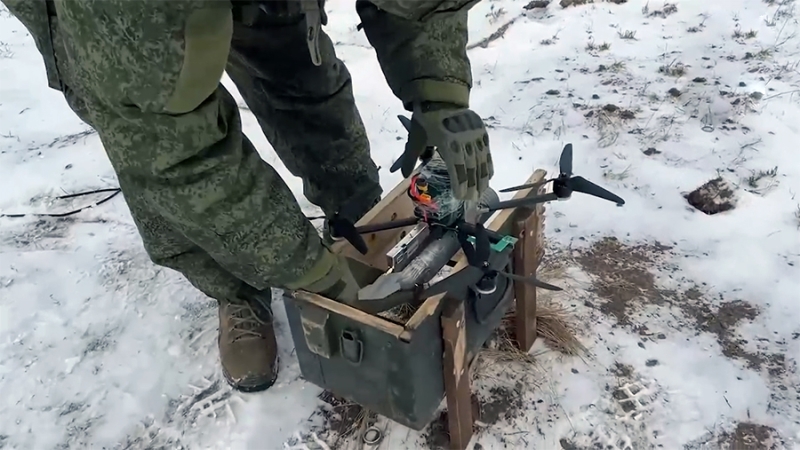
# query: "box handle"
[352,347]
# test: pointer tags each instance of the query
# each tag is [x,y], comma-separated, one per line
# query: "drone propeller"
[565,162]
[406,122]
[580,184]
[342,223]
[531,280]
[563,186]
[347,230]
[401,161]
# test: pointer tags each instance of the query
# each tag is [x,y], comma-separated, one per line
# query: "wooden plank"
[395,205]
[456,375]
[525,294]
[369,320]
[501,223]
[529,229]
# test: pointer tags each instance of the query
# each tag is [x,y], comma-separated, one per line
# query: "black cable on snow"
[113,193]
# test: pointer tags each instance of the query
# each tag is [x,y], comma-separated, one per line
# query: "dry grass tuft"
[359,427]
[554,325]
[501,356]
[400,314]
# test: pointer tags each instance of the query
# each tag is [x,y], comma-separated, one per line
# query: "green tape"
[502,244]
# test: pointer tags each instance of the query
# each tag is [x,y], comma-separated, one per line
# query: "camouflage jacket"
[420,44]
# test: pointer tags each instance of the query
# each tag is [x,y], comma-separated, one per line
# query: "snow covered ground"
[691,320]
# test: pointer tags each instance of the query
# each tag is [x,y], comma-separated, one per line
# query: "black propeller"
[563,186]
[425,157]
[565,162]
[342,224]
[345,229]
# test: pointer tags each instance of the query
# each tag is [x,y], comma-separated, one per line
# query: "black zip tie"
[114,192]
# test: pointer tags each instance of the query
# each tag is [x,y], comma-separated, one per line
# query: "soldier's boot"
[247,347]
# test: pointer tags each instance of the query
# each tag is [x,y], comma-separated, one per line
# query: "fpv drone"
[477,242]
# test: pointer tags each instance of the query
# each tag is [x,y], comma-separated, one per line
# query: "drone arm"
[532,186]
[522,202]
[383,226]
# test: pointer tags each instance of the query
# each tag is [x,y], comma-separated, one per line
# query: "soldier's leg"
[247,344]
[246,336]
[307,112]
[173,134]
[204,201]
[163,243]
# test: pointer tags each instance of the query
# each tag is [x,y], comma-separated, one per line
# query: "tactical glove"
[332,277]
[459,135]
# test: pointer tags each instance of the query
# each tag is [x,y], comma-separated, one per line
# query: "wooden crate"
[404,370]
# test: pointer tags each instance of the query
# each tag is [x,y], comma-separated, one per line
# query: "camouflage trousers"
[204,202]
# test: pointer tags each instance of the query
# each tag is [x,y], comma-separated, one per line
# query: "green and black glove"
[337,277]
[460,137]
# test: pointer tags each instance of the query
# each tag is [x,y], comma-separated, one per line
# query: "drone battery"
[432,195]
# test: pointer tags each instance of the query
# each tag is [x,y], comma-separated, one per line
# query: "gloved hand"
[332,277]
[459,135]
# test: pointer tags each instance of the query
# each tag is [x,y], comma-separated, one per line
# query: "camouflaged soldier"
[146,75]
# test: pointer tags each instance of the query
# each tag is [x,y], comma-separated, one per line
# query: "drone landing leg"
[528,227]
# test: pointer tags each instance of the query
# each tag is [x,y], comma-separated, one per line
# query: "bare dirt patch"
[536,4]
[621,276]
[40,234]
[621,370]
[666,10]
[436,435]
[745,436]
[502,403]
[612,111]
[722,322]
[623,279]
[713,197]
[749,436]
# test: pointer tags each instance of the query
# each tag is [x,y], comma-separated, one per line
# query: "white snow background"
[99,348]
